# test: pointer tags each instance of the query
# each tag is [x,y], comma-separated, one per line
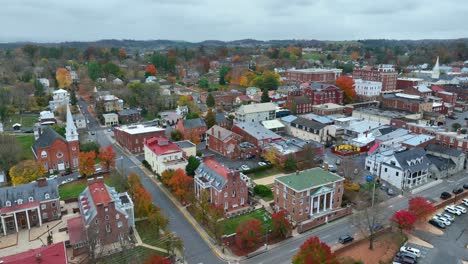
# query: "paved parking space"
[425,253]
[232,164]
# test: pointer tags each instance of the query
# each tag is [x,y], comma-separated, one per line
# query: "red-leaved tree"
[280,225]
[107,156]
[156,259]
[86,162]
[180,184]
[405,220]
[420,207]
[314,252]
[347,85]
[151,70]
[248,234]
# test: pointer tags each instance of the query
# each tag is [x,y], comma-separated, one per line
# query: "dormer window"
[30,199]
[47,196]
[20,201]
[7,203]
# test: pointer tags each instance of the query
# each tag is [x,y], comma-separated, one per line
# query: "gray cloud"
[196,20]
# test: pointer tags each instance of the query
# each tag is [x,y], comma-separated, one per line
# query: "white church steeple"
[436,70]
[71,133]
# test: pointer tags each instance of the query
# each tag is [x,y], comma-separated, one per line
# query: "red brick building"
[106,217]
[226,189]
[405,102]
[404,82]
[133,137]
[129,116]
[312,75]
[301,101]
[448,97]
[223,142]
[383,73]
[27,205]
[55,152]
[191,127]
[309,194]
[420,90]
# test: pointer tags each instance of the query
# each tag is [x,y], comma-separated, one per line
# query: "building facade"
[406,102]
[256,134]
[110,103]
[224,142]
[127,116]
[302,101]
[309,194]
[27,205]
[60,98]
[110,119]
[133,137]
[384,73]
[367,90]
[313,75]
[255,112]
[163,155]
[191,128]
[226,189]
[55,152]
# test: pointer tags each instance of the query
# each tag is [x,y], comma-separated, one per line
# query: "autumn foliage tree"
[404,220]
[63,77]
[180,184]
[142,201]
[248,234]
[166,176]
[157,259]
[272,155]
[346,84]
[150,70]
[280,225]
[26,171]
[86,162]
[314,252]
[107,156]
[420,208]
[122,53]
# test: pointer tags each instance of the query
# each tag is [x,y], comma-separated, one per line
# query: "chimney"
[41,182]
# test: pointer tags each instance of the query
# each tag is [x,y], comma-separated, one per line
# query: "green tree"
[222,74]
[10,151]
[265,98]
[192,116]
[73,99]
[210,101]
[94,70]
[59,129]
[210,118]
[204,83]
[87,147]
[192,165]
[39,91]
[270,80]
[290,164]
[111,68]
[176,135]
[262,191]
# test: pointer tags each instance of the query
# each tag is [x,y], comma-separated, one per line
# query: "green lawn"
[311,56]
[262,174]
[73,189]
[26,121]
[230,225]
[135,255]
[148,233]
[26,142]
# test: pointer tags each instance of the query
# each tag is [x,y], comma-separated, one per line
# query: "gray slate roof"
[307,123]
[24,191]
[126,112]
[441,163]
[216,180]
[403,157]
[220,117]
[444,150]
[47,137]
[194,123]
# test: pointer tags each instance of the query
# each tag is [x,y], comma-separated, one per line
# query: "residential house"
[107,218]
[53,151]
[110,119]
[406,169]
[127,116]
[255,112]
[80,121]
[27,205]
[110,103]
[191,128]
[224,142]
[222,121]
[227,189]
[162,154]
[133,137]
[309,194]
[47,118]
[60,98]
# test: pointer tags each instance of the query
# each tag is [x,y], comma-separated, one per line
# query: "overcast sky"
[197,20]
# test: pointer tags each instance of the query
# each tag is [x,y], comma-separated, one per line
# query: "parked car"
[383,187]
[404,260]
[390,192]
[449,217]
[457,190]
[411,250]
[445,195]
[338,161]
[444,220]
[245,167]
[261,163]
[461,209]
[465,186]
[452,210]
[345,239]
[406,255]
[437,223]
[331,168]
[464,202]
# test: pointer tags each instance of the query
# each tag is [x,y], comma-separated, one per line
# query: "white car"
[449,217]
[452,210]
[464,202]
[444,220]
[245,167]
[461,208]
[411,250]
[261,163]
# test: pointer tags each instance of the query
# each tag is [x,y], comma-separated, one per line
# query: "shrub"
[262,191]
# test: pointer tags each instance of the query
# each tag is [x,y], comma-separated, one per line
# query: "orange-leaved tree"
[314,252]
[346,84]
[420,207]
[142,201]
[122,53]
[63,77]
[26,171]
[249,233]
[133,181]
[86,162]
[150,70]
[166,176]
[181,184]
[107,156]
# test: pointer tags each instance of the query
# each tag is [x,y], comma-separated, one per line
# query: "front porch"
[18,217]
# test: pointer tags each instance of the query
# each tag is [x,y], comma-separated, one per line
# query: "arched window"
[7,203]
[44,154]
[31,199]
[46,196]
